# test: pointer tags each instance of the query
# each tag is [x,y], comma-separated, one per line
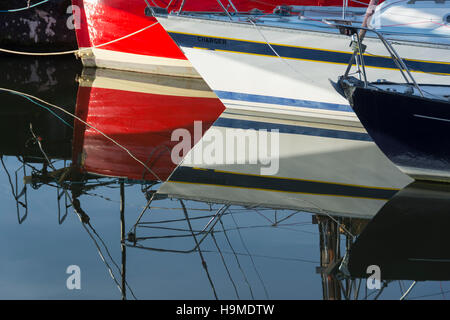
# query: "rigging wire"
[429,295]
[408,291]
[84,219]
[25,8]
[77,51]
[110,257]
[264,256]
[20,218]
[276,53]
[197,244]
[42,106]
[87,124]
[251,258]
[225,265]
[237,259]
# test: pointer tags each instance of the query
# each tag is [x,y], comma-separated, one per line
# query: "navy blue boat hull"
[413,132]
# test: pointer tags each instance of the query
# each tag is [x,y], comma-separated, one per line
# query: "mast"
[122,239]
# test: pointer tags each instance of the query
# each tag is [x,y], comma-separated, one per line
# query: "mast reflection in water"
[305,233]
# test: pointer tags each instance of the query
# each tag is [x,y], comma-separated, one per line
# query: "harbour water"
[260,237]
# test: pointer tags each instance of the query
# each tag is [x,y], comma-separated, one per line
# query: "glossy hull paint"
[412,131]
[140,114]
[152,50]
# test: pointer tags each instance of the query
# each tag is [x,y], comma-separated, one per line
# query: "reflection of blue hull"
[412,131]
[408,238]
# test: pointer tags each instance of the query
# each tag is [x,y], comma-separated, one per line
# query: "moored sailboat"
[282,64]
[408,120]
[115,33]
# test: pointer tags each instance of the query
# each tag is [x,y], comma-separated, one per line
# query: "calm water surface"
[265,251]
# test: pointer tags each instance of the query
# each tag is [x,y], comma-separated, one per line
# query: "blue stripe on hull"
[291,129]
[273,183]
[282,101]
[260,48]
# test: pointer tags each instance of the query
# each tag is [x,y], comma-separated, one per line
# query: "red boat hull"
[151,50]
[137,116]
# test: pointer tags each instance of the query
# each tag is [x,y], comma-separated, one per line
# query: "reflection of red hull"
[140,119]
[151,50]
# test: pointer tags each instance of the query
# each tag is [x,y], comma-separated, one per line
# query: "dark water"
[255,257]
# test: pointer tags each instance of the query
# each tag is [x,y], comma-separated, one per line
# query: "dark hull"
[39,28]
[51,79]
[408,238]
[413,132]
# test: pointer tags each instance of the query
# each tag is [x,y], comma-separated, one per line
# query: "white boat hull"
[291,76]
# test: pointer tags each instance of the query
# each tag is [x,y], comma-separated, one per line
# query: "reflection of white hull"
[331,168]
[247,74]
